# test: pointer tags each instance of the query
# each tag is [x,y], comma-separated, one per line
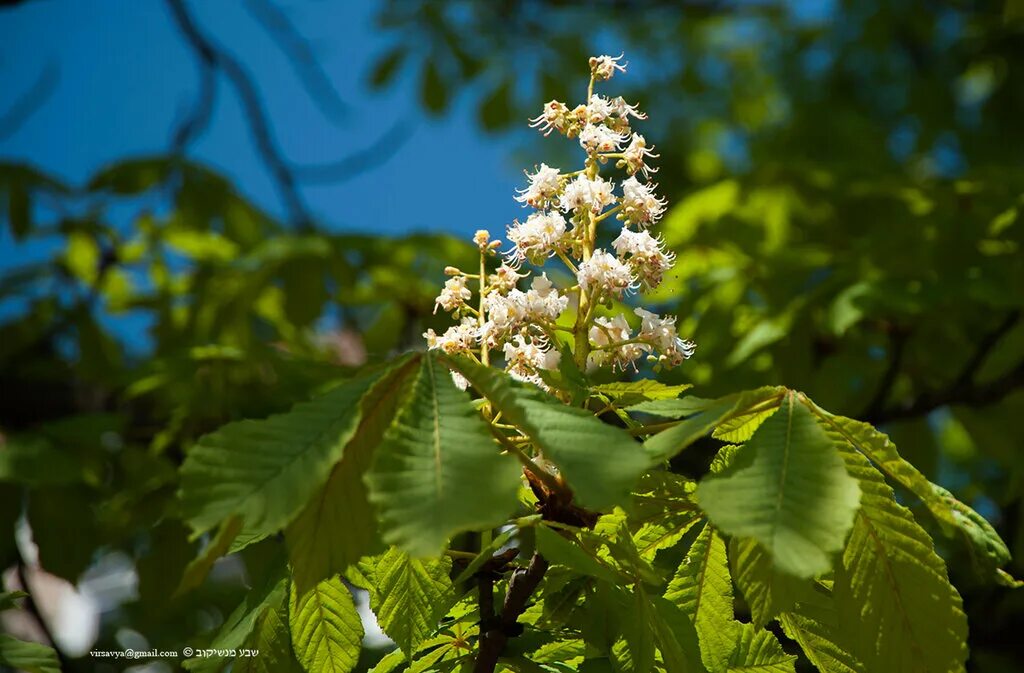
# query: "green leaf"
[266,470]
[317,547]
[674,634]
[433,91]
[671,408]
[408,595]
[987,549]
[268,595]
[200,567]
[485,555]
[663,510]
[391,662]
[702,588]
[767,590]
[894,587]
[668,443]
[438,471]
[628,393]
[26,656]
[327,633]
[601,463]
[788,489]
[385,69]
[814,625]
[270,645]
[758,651]
[571,554]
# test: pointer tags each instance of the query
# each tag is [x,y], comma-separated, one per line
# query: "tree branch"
[897,346]
[305,63]
[217,59]
[32,100]
[963,390]
[493,640]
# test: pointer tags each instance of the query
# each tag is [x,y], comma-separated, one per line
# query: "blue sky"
[125,78]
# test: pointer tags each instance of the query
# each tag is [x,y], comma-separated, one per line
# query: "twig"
[305,63]
[32,100]
[897,346]
[520,588]
[259,123]
[963,390]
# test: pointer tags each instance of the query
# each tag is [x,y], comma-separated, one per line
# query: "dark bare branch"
[300,54]
[33,99]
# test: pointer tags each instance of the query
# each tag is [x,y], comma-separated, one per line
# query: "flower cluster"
[531,329]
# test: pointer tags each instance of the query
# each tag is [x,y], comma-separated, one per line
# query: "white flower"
[539,237]
[460,381]
[604,335]
[504,314]
[661,333]
[553,117]
[543,189]
[596,138]
[599,108]
[586,194]
[635,155]
[460,338]
[624,110]
[639,204]
[481,238]
[543,303]
[505,278]
[454,295]
[605,273]
[523,359]
[603,67]
[645,255]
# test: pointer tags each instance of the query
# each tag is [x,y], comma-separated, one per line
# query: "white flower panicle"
[594,138]
[586,194]
[552,119]
[645,256]
[603,67]
[639,204]
[527,327]
[634,157]
[544,187]
[539,237]
[604,273]
[454,295]
[457,339]
[613,344]
[661,333]
[525,358]
[505,278]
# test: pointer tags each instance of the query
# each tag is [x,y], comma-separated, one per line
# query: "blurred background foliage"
[847,181]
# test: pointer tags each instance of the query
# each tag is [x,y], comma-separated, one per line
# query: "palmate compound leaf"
[663,510]
[702,588]
[327,633]
[266,470]
[788,489]
[987,549]
[407,595]
[896,609]
[438,471]
[269,645]
[733,412]
[338,526]
[600,462]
